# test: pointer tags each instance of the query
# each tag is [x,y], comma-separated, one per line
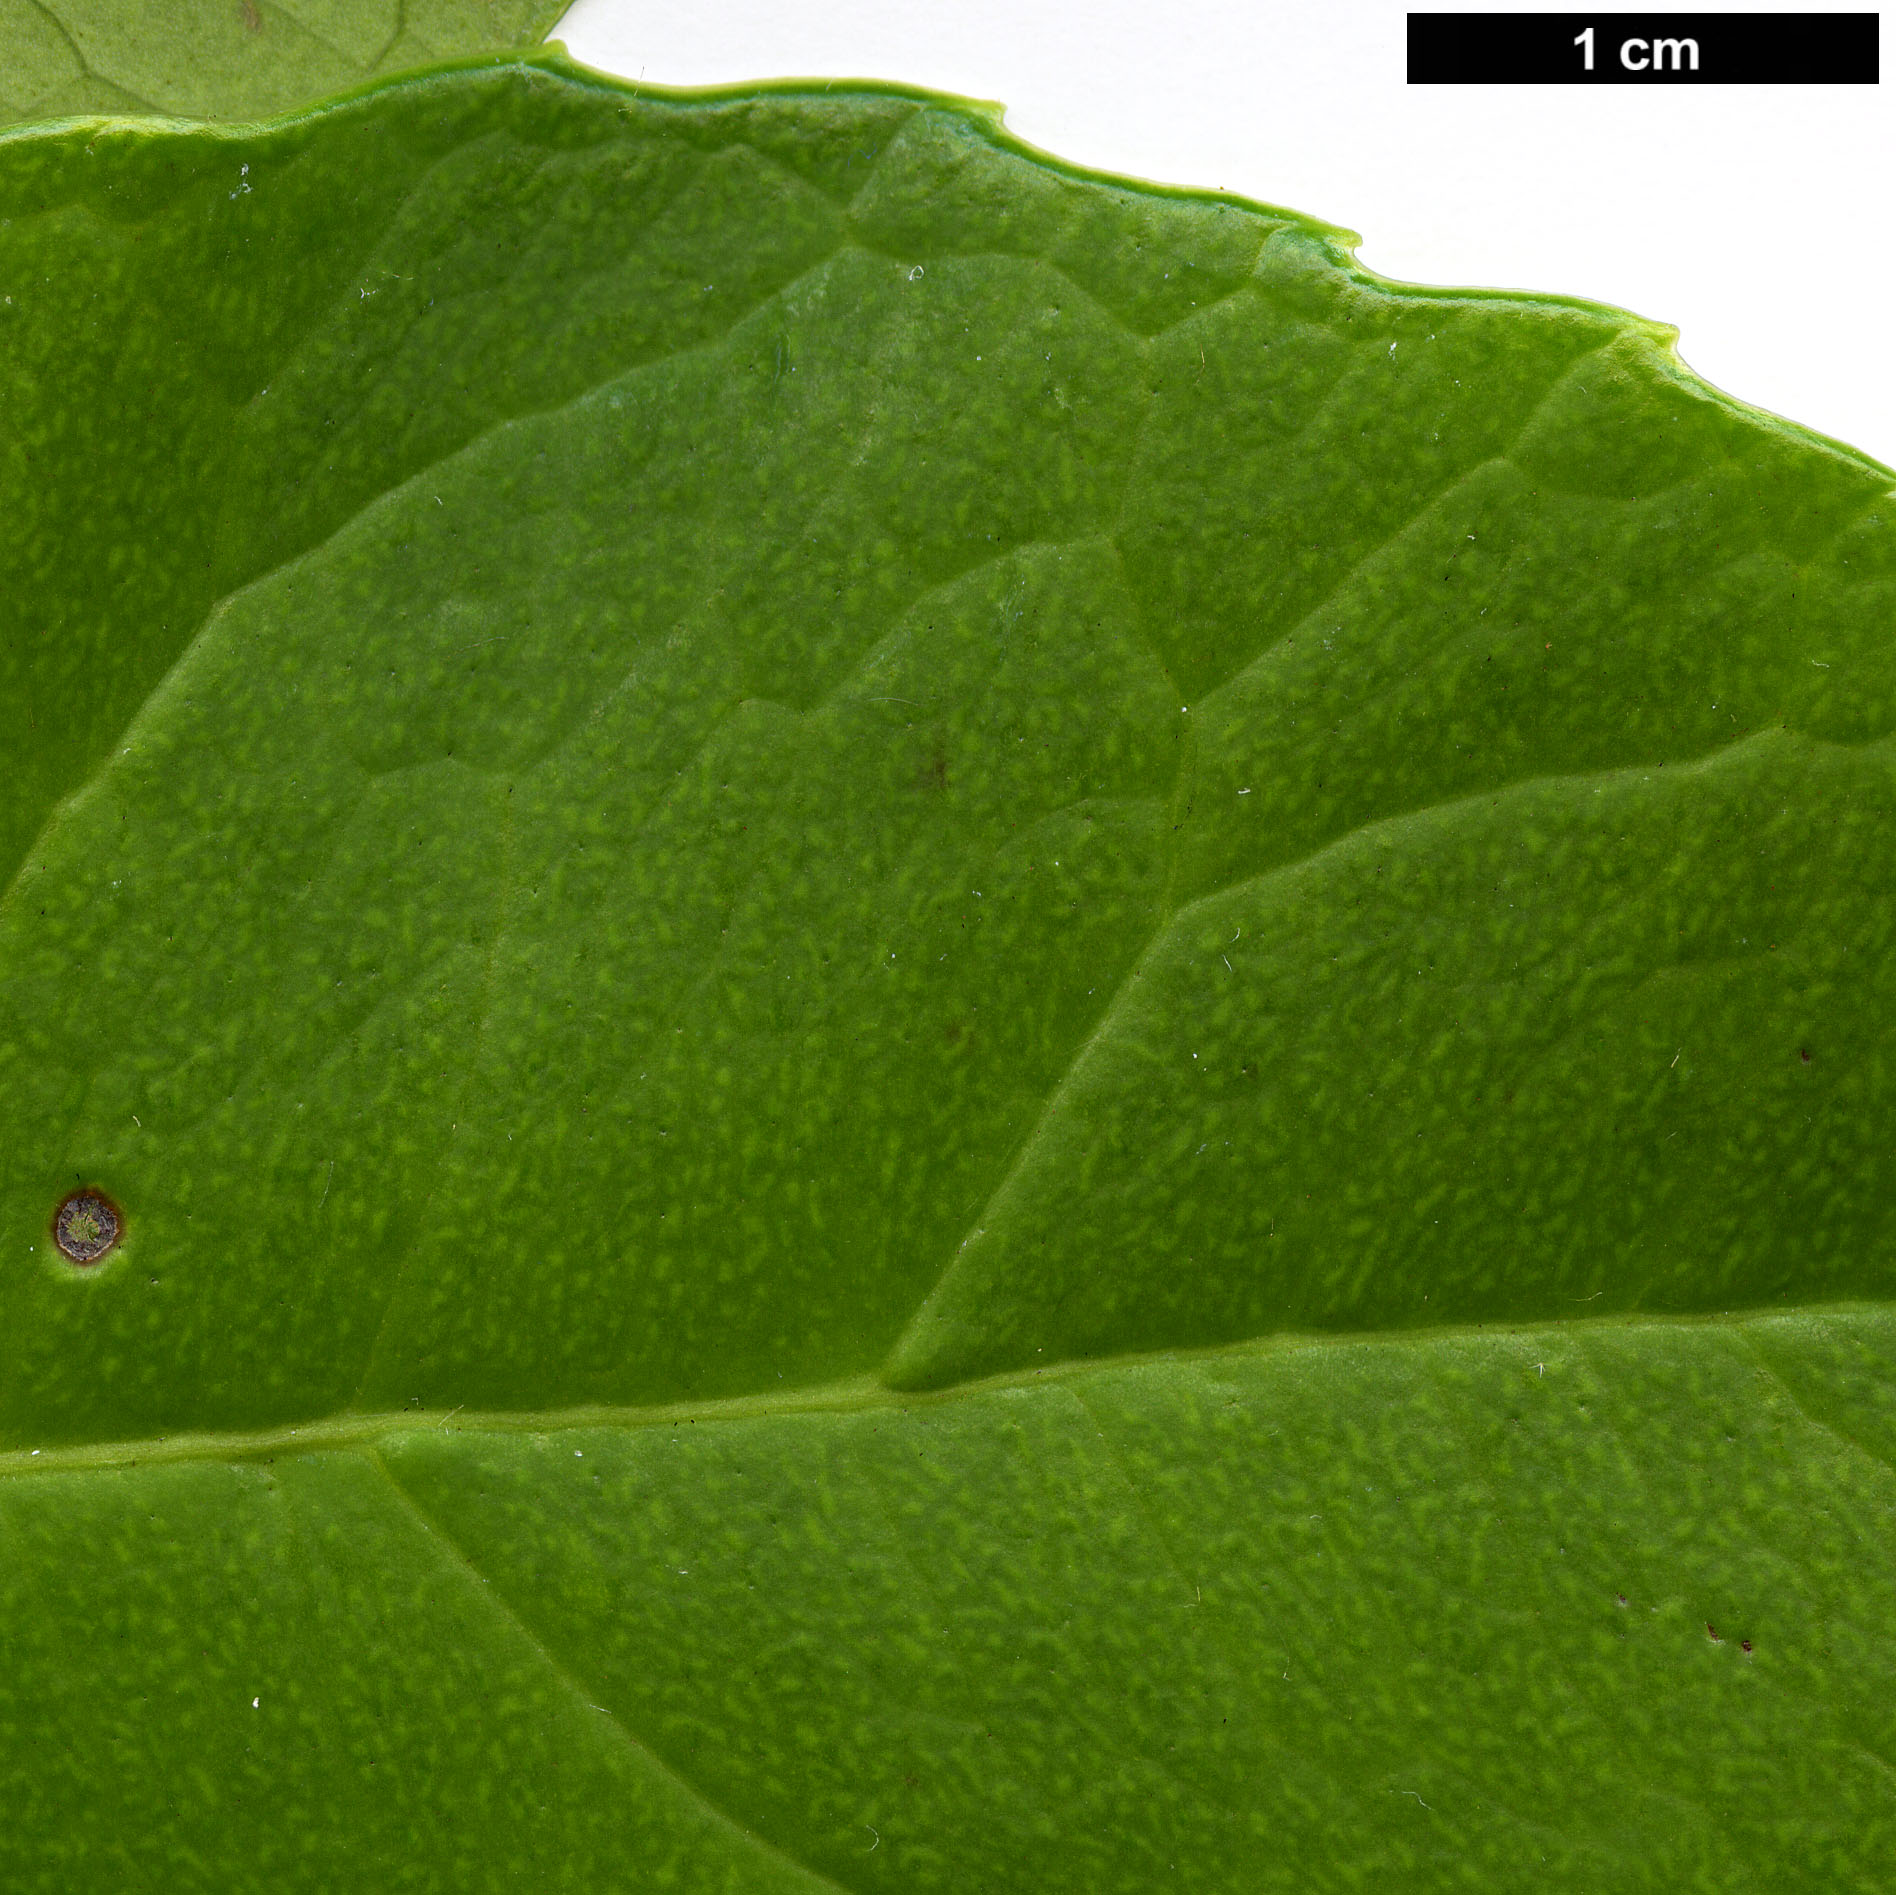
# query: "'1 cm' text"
[1641,55]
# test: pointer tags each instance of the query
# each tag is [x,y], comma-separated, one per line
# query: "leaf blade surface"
[687,764]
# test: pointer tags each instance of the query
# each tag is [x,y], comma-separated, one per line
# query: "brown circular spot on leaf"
[86,1226]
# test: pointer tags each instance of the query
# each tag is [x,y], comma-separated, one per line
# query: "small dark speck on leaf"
[1803,1053]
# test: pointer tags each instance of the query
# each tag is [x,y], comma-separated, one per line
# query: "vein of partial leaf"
[354,62]
[1018,1159]
[58,25]
[1169,914]
[1848,1442]
[1187,759]
[453,1553]
[394,39]
[472,444]
[829,700]
[1082,297]
[75,798]
[855,672]
[503,903]
[683,771]
[861,1394]
[1049,1109]
[1448,811]
[1418,515]
[1166,930]
[1116,537]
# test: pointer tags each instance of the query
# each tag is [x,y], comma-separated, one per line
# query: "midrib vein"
[856,1395]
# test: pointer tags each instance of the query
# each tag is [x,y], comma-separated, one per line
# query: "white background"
[1756,219]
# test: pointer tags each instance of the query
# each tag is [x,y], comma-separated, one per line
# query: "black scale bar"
[1643,49]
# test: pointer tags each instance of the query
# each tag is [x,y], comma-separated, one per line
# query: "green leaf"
[233,59]
[958,1029]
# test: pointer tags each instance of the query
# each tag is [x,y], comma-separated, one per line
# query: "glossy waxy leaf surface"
[960,1030]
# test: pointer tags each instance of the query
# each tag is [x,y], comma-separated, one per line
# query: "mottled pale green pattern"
[1211,1626]
[272,1677]
[678,767]
[1438,1613]
[233,59]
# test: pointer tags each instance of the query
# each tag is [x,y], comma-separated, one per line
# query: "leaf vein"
[452,1551]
